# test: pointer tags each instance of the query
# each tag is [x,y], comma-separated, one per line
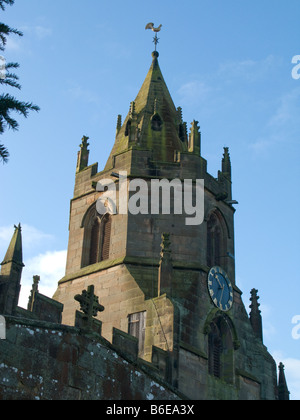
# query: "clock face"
[220,289]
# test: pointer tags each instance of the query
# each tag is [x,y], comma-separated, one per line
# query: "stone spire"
[153,122]
[283,392]
[14,254]
[11,271]
[255,315]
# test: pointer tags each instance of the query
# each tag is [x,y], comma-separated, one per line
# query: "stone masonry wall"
[44,361]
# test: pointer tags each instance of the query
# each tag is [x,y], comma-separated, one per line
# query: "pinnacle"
[14,253]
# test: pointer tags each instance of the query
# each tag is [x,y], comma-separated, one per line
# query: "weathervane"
[156,30]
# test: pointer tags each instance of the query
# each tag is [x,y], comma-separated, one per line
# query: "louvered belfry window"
[100,239]
[215,351]
[95,242]
[106,233]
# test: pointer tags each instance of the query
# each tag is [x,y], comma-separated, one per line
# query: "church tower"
[164,273]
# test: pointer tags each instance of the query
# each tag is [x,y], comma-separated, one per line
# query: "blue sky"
[227,63]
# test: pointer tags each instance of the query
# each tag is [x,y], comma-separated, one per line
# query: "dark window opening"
[215,350]
[221,349]
[95,242]
[156,123]
[97,239]
[127,129]
[182,133]
[106,234]
[137,328]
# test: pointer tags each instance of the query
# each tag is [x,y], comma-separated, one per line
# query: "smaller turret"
[255,315]
[224,176]
[226,164]
[283,392]
[119,124]
[83,155]
[34,291]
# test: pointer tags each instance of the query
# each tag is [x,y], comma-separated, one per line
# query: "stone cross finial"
[89,304]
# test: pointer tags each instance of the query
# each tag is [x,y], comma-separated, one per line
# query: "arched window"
[95,241]
[128,127]
[214,351]
[97,237]
[156,123]
[220,348]
[216,241]
[105,240]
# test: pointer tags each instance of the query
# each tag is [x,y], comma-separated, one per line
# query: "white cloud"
[288,110]
[81,94]
[248,70]
[269,329]
[50,267]
[283,126]
[193,92]
[13,44]
[6,233]
[38,31]
[42,32]
[32,238]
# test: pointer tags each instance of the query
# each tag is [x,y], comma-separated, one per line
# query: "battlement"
[42,359]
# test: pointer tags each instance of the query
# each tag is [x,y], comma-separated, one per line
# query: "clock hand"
[221,287]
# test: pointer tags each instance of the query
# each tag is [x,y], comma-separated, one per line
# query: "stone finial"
[255,315]
[132,109]
[226,163]
[83,155]
[34,290]
[179,114]
[14,253]
[119,123]
[89,305]
[195,139]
